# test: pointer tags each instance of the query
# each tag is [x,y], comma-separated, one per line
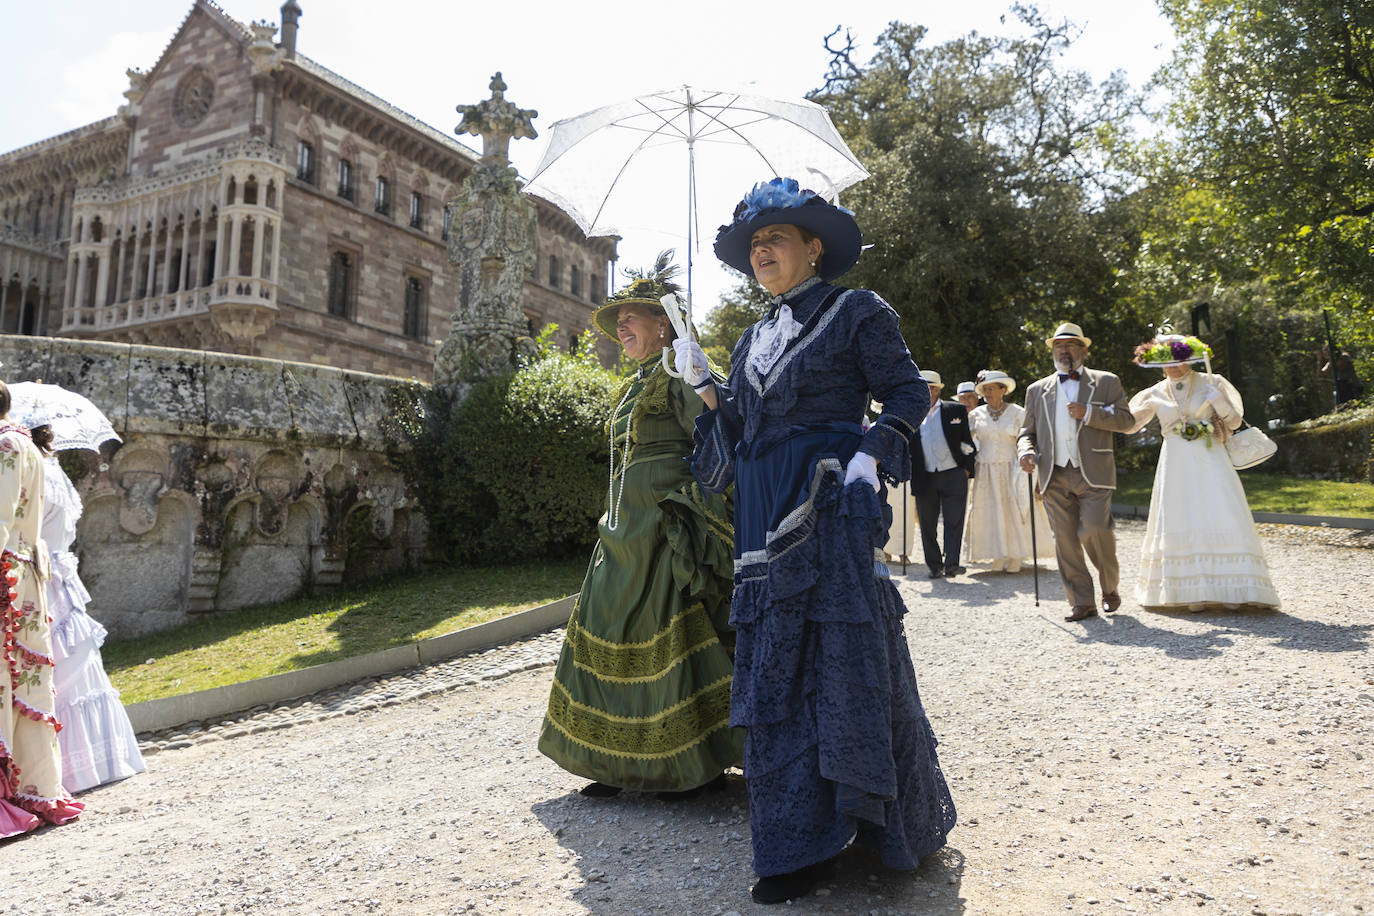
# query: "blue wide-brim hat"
[783,201]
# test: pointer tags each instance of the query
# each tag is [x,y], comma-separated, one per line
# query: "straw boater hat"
[966,388]
[996,377]
[1171,350]
[932,378]
[783,201]
[1069,331]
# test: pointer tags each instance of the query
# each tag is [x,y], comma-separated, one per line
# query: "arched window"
[342,281]
[414,321]
[383,195]
[305,161]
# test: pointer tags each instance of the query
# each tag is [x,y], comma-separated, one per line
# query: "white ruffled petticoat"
[97,739]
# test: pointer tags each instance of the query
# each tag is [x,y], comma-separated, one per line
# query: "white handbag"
[1249,446]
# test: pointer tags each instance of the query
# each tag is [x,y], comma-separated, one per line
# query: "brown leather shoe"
[1082,612]
[1110,602]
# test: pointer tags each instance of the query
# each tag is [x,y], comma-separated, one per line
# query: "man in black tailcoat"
[941,467]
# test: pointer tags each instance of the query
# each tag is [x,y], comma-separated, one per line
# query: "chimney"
[290,12]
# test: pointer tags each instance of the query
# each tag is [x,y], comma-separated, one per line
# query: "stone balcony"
[239,305]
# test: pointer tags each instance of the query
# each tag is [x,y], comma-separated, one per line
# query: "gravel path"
[1144,762]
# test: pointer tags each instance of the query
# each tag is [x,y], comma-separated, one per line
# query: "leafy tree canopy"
[995,207]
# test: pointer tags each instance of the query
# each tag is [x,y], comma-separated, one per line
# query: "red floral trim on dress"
[9,625]
[34,658]
[9,621]
[36,715]
[58,810]
[9,772]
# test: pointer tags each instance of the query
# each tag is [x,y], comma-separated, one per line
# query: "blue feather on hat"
[776,194]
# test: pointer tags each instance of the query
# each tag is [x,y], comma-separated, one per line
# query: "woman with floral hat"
[641,695]
[1201,548]
[998,529]
[837,745]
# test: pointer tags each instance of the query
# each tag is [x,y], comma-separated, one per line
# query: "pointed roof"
[232,28]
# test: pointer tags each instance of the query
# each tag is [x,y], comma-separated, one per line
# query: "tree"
[1274,109]
[994,209]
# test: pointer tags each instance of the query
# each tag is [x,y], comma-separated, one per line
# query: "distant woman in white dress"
[998,527]
[97,739]
[1201,549]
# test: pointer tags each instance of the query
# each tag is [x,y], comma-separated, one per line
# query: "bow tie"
[1068,375]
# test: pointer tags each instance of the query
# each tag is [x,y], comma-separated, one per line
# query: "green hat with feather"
[646,288]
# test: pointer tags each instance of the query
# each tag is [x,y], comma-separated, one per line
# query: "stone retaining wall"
[240,480]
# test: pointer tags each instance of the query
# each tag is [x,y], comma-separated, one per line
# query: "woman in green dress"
[641,695]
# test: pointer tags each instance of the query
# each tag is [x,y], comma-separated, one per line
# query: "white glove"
[862,466]
[690,362]
[1215,395]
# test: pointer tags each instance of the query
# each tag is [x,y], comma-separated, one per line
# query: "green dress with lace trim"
[641,694]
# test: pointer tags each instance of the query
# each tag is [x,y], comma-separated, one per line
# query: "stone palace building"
[249,200]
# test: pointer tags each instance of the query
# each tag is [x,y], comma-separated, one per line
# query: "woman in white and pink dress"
[31,790]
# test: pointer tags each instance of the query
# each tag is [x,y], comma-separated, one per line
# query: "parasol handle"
[674,307]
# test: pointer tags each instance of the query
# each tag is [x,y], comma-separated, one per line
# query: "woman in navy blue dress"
[838,747]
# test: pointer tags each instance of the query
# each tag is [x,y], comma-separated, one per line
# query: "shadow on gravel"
[1284,631]
[636,854]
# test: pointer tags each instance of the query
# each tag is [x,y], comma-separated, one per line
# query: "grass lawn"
[1271,493]
[242,645]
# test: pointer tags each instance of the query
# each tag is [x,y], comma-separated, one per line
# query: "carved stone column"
[493,244]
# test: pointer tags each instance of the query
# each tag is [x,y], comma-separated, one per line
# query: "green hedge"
[1334,447]
[516,470]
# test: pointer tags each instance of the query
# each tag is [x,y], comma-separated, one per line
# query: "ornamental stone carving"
[497,122]
[493,244]
[195,93]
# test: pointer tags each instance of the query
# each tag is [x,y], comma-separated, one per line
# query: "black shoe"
[791,886]
[599,790]
[952,571]
[715,785]
[937,573]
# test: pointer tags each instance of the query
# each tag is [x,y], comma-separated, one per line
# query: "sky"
[427,56]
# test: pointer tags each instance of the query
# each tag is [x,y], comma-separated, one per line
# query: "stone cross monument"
[493,242]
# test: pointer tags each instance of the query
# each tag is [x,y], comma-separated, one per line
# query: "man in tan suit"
[1067,434]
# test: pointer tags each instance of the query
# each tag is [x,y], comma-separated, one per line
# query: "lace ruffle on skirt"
[1200,546]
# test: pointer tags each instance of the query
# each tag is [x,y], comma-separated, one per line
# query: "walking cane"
[1035,554]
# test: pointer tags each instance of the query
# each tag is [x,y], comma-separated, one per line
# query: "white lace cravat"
[772,339]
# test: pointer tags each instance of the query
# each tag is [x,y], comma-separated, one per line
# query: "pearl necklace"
[615,495]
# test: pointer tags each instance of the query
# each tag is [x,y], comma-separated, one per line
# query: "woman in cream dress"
[1201,549]
[998,527]
[31,790]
